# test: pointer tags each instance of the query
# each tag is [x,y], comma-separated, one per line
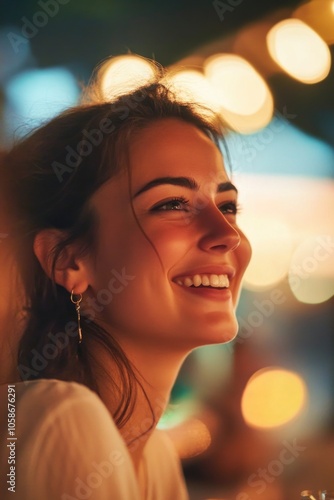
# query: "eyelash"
[232,207]
[181,200]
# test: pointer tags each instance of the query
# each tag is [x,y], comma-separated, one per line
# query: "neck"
[155,370]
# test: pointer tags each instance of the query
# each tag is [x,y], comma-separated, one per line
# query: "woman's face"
[170,256]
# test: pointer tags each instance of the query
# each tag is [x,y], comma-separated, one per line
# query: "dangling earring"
[77,308]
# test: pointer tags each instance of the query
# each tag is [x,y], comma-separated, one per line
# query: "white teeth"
[197,280]
[205,280]
[188,281]
[212,280]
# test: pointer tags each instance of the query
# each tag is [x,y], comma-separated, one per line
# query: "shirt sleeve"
[69,447]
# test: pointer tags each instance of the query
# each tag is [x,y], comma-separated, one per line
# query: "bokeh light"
[299,50]
[248,111]
[273,397]
[226,72]
[319,15]
[36,95]
[190,438]
[272,244]
[276,220]
[123,74]
[192,86]
[311,274]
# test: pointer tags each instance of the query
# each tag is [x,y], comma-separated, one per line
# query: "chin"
[222,333]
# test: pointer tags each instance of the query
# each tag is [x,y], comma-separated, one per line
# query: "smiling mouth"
[217,281]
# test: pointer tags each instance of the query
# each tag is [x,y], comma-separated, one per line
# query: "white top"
[69,448]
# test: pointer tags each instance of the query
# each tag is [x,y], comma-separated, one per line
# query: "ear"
[71,269]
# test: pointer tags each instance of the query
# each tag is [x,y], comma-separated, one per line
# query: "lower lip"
[220,294]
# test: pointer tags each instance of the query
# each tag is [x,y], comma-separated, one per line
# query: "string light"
[299,50]
[123,74]
[245,111]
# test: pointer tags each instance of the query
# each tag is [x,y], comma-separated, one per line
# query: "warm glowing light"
[246,109]
[319,15]
[273,397]
[282,219]
[229,73]
[299,50]
[191,85]
[191,438]
[272,244]
[123,74]
[311,275]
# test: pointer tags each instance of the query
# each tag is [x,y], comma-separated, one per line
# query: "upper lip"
[218,269]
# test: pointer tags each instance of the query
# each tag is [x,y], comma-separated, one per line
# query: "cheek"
[141,253]
[170,245]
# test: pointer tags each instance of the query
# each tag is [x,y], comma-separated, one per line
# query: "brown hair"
[53,173]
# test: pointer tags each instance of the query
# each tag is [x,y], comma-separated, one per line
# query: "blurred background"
[252,419]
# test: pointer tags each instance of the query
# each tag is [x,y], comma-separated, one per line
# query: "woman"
[131,257]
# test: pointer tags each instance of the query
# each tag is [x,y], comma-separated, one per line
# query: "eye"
[229,208]
[176,204]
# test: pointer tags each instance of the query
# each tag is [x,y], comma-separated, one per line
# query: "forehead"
[173,147]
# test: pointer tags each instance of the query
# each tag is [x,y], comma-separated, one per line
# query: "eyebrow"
[187,182]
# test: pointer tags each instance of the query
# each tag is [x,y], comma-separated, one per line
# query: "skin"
[156,241]
[180,240]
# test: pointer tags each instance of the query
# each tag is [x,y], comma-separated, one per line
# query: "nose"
[218,234]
